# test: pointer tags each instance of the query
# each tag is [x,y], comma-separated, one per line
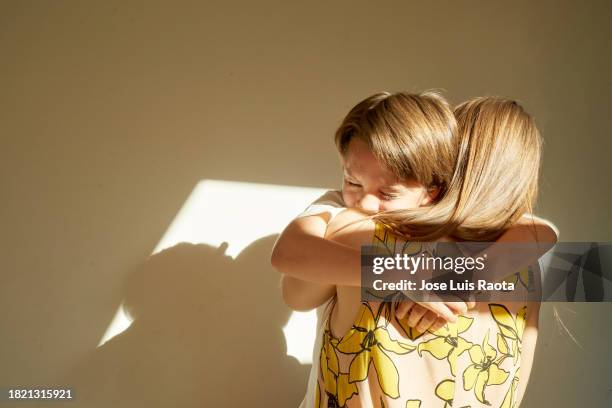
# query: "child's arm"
[353,229]
[532,237]
[302,252]
[350,228]
[293,253]
[301,295]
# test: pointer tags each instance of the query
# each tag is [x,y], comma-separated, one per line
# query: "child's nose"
[369,203]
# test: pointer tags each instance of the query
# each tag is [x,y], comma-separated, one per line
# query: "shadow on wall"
[206,331]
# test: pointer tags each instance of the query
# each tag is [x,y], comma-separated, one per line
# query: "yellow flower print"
[337,386]
[413,403]
[447,343]
[484,371]
[411,332]
[328,361]
[510,398]
[511,328]
[445,390]
[502,347]
[343,391]
[370,342]
[411,248]
[383,240]
[523,277]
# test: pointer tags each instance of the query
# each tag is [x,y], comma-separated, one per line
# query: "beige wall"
[111,112]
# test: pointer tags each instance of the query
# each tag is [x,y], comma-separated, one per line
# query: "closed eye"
[387,196]
[350,183]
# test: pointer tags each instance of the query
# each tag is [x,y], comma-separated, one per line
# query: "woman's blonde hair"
[413,135]
[495,179]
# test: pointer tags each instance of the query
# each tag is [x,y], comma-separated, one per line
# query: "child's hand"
[422,319]
[431,315]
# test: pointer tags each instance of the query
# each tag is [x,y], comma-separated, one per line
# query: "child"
[414,136]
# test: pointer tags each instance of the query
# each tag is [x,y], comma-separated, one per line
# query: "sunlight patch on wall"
[238,213]
[120,322]
[300,333]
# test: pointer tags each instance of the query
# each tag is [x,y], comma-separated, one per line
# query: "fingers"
[471,301]
[423,317]
[458,307]
[437,305]
[416,314]
[441,309]
[470,304]
[403,308]
[433,315]
[426,321]
[438,324]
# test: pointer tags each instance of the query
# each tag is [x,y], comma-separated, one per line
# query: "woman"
[371,358]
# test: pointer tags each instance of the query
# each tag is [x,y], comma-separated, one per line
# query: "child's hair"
[413,135]
[495,179]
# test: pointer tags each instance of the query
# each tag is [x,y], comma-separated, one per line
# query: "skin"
[369,187]
[308,280]
[351,228]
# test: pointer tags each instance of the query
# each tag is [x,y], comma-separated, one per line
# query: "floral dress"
[381,362]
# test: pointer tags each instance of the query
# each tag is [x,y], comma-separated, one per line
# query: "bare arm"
[295,255]
[352,228]
[302,252]
[301,295]
[534,239]
[317,264]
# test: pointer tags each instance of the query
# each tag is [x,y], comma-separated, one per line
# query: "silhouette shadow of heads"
[206,331]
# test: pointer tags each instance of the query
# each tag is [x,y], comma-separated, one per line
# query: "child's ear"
[430,195]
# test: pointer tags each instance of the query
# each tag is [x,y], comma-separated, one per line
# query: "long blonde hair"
[495,179]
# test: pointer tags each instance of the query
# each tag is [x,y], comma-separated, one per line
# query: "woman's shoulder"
[542,224]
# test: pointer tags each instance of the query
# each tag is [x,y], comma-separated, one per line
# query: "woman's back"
[370,358]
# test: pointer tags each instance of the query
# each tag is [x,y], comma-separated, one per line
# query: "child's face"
[372,188]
